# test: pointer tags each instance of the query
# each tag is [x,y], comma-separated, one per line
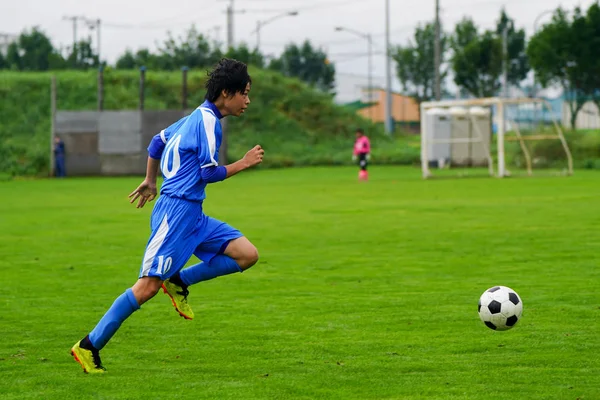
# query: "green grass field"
[363,291]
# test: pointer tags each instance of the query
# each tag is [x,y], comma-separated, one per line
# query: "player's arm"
[146,191]
[212,174]
[209,134]
[157,145]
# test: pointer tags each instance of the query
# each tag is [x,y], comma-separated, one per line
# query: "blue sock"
[219,265]
[122,308]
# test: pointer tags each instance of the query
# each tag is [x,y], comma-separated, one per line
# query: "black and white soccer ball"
[500,308]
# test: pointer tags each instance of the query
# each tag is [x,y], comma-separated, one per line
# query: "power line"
[322,5]
[347,41]
[153,25]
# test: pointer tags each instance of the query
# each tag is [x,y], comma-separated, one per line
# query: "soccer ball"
[500,308]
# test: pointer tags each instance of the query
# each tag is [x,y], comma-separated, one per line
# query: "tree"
[3,63]
[143,58]
[561,53]
[35,49]
[32,51]
[415,64]
[193,50]
[126,61]
[242,53]
[308,64]
[13,57]
[465,32]
[57,61]
[477,61]
[478,58]
[593,42]
[82,56]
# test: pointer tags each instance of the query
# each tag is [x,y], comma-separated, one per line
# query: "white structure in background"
[481,126]
[438,122]
[459,136]
[587,118]
[470,133]
[460,130]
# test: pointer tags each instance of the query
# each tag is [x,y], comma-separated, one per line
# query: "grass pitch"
[365,291]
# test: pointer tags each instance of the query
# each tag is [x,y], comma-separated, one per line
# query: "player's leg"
[224,251]
[236,255]
[363,162]
[243,252]
[167,251]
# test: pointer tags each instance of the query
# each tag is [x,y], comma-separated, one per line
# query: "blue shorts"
[179,229]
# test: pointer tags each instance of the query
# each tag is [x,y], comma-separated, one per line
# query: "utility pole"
[388,72]
[258,26]
[98,40]
[505,61]
[95,24]
[74,20]
[230,24]
[224,124]
[437,52]
[370,40]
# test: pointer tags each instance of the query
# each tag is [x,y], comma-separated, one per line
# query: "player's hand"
[145,192]
[254,156]
[353,157]
[369,157]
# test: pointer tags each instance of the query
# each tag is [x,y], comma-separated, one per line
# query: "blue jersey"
[188,152]
[190,145]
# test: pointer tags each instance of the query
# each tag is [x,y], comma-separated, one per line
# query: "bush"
[296,124]
[584,146]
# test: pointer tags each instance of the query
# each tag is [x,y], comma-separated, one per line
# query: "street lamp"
[535,22]
[369,40]
[260,24]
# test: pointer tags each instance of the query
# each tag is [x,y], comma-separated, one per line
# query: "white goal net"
[473,133]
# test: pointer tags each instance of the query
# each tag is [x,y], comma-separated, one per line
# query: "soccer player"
[362,152]
[187,153]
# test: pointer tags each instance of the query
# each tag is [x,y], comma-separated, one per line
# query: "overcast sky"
[135,24]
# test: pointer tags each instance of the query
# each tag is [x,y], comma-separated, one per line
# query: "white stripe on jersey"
[154,245]
[162,136]
[209,120]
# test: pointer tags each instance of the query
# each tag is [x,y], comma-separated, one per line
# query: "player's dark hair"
[229,75]
[360,130]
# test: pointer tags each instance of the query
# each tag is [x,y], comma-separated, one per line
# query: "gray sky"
[135,24]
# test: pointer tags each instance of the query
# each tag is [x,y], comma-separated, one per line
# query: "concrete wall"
[109,142]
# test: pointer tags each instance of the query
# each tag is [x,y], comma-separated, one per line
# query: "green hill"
[296,124]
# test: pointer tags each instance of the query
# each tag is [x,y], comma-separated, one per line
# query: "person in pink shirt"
[362,153]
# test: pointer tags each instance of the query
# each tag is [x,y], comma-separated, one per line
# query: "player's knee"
[145,289]
[250,257]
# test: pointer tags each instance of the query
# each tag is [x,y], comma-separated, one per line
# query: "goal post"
[459,133]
